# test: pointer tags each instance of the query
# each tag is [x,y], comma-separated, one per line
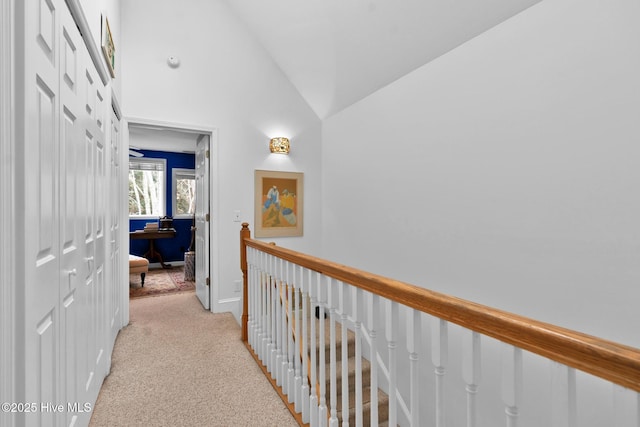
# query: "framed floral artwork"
[278,203]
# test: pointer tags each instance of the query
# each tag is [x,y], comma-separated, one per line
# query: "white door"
[60,125]
[95,198]
[75,267]
[202,221]
[114,230]
[39,122]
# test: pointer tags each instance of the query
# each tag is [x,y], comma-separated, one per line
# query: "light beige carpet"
[177,364]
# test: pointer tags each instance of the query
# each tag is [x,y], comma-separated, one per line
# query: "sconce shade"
[279,145]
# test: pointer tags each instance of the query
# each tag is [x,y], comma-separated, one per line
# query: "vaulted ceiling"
[337,52]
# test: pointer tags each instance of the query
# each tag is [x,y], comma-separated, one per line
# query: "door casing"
[212,133]
[7,210]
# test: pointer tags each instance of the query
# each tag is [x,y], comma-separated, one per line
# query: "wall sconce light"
[279,145]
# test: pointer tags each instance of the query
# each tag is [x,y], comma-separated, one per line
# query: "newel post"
[245,233]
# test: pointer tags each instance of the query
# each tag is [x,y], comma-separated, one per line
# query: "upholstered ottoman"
[138,265]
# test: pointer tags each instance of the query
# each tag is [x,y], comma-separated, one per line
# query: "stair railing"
[497,350]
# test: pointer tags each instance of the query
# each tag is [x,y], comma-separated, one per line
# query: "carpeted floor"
[160,281]
[177,364]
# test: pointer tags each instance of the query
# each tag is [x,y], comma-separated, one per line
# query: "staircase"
[375,301]
[383,399]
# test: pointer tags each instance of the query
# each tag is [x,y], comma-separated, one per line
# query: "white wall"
[504,172]
[225,81]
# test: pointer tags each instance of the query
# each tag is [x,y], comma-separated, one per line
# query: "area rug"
[160,281]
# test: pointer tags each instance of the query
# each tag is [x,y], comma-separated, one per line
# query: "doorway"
[167,137]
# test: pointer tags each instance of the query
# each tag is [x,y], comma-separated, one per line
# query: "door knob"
[73,272]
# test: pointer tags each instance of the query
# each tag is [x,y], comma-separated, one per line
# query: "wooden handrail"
[614,362]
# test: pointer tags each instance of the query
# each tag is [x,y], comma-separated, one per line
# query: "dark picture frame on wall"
[278,203]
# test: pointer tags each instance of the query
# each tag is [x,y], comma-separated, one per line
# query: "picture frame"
[279,201]
[108,47]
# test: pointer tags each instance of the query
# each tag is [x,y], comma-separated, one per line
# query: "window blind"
[146,165]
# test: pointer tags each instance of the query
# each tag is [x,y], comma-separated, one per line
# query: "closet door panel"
[114,228]
[39,122]
[74,258]
[63,164]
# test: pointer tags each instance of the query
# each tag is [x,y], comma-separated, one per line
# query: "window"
[184,192]
[146,187]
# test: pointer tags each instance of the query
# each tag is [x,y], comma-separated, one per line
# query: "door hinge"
[206,154]
[208,282]
[206,217]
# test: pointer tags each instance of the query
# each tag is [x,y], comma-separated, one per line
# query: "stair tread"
[383,398]
[383,410]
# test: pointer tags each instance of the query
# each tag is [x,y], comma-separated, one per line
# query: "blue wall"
[171,249]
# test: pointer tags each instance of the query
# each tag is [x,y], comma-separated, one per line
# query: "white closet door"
[75,264]
[63,158]
[95,228]
[114,229]
[43,273]
[93,331]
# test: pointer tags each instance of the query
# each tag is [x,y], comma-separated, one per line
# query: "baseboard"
[171,263]
[285,399]
[229,305]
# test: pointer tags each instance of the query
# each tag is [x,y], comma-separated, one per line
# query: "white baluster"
[282,298]
[372,323]
[260,333]
[563,395]
[264,301]
[278,338]
[512,383]
[257,301]
[290,326]
[266,331]
[314,401]
[471,373]
[344,355]
[254,301]
[255,295]
[322,408]
[626,407]
[268,314]
[413,345]
[391,335]
[250,298]
[333,419]
[356,295]
[257,306]
[299,339]
[274,319]
[439,357]
[266,306]
[304,289]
